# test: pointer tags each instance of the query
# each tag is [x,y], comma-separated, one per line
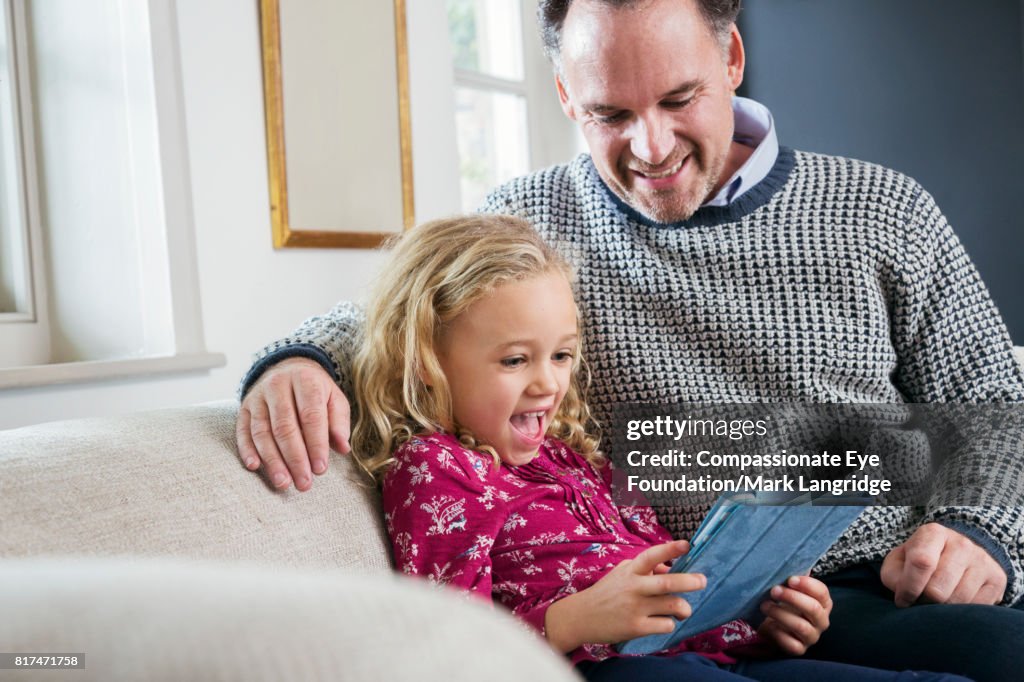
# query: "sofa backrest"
[169,483]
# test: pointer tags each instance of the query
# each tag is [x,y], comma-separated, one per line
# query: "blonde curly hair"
[437,271]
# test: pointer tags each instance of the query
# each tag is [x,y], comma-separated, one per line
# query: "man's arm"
[293,399]
[953,347]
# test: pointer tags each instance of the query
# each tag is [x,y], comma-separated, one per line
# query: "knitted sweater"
[832,280]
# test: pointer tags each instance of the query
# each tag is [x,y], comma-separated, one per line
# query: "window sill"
[101,370]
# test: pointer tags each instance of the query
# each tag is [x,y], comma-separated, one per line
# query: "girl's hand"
[797,614]
[634,599]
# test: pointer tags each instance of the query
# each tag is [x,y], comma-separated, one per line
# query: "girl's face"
[508,361]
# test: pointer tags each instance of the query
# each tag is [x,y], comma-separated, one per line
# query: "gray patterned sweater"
[833,280]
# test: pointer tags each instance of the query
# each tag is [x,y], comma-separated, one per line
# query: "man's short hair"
[720,15]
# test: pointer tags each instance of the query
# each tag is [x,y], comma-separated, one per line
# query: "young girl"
[469,387]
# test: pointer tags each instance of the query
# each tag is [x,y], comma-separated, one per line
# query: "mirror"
[336,98]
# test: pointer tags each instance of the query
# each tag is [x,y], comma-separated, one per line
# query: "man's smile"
[655,175]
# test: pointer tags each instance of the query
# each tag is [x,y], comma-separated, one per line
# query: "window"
[23,328]
[96,247]
[506,114]
[14,290]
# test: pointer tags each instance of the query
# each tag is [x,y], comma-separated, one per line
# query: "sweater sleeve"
[330,339]
[953,347]
[951,342]
[441,522]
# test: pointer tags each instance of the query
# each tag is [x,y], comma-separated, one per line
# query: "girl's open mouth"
[529,425]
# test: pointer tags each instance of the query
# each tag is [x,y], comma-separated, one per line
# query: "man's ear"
[737,59]
[563,98]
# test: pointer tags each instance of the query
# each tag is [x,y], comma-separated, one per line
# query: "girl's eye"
[512,362]
[563,356]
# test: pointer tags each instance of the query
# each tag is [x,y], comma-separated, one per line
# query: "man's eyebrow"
[684,88]
[601,108]
[687,87]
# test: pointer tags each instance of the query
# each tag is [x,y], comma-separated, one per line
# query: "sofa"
[142,543]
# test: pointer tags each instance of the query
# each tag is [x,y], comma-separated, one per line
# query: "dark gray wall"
[932,88]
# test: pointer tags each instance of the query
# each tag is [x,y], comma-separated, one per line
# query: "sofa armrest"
[166,619]
[169,483]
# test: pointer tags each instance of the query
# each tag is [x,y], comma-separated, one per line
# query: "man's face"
[651,87]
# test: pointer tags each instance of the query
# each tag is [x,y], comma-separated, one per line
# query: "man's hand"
[942,566]
[288,419]
[631,600]
[796,615]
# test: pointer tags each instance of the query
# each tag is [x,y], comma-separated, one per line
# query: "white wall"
[252,294]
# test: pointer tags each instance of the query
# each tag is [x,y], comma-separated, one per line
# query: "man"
[717,266]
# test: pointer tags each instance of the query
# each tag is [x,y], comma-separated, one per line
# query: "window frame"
[24,333]
[168,246]
[551,136]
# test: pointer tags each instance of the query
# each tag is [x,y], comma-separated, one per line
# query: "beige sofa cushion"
[165,620]
[169,483]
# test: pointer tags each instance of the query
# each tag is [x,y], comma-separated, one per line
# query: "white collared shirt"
[754,128]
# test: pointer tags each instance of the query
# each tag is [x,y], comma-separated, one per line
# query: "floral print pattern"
[523,536]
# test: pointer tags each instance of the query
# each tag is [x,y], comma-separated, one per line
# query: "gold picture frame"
[286,234]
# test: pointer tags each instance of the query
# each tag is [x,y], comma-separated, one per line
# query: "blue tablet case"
[746,545]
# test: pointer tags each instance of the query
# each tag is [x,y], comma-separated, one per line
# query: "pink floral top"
[525,535]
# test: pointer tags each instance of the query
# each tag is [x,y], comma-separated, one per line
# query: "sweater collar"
[751,200]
